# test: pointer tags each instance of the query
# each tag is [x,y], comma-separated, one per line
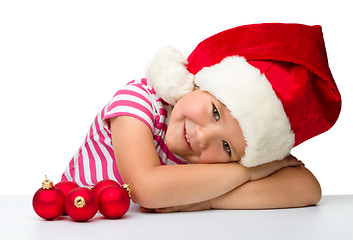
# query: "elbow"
[316,194]
[144,200]
[145,194]
[311,189]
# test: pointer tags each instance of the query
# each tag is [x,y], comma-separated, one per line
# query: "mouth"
[186,136]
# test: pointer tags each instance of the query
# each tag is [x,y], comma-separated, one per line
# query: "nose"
[204,136]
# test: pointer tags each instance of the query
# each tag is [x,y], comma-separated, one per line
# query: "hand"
[267,169]
[206,205]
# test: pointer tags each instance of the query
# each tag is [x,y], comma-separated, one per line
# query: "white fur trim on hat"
[168,75]
[251,100]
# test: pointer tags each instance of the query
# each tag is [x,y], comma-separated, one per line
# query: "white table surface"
[331,219]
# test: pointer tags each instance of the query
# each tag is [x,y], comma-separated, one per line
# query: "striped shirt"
[94,160]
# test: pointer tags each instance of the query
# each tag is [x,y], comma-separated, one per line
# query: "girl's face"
[202,130]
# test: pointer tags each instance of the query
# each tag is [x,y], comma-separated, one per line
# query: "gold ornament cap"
[47,183]
[79,202]
[127,187]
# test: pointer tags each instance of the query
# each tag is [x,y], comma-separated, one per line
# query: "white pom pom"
[168,75]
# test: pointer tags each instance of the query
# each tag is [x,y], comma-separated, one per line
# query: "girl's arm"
[287,188]
[157,186]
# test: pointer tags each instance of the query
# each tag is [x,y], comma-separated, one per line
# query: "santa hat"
[273,77]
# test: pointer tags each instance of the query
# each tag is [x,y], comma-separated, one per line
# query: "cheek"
[198,106]
[193,108]
[213,156]
[171,136]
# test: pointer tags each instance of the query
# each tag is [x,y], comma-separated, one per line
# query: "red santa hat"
[273,77]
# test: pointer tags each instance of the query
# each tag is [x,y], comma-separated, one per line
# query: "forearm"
[165,186]
[155,185]
[289,187]
[175,185]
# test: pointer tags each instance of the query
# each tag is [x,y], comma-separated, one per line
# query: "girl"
[215,131]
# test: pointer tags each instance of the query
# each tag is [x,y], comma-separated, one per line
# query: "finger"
[146,210]
[297,163]
[167,210]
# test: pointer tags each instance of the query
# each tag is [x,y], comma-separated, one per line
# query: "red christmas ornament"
[81,204]
[66,187]
[103,183]
[114,201]
[49,201]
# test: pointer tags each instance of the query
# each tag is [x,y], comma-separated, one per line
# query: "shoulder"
[141,86]
[137,99]
[139,91]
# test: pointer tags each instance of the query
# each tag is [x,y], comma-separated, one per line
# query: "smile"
[186,136]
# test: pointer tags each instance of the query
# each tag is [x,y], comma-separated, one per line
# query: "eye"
[226,147]
[215,113]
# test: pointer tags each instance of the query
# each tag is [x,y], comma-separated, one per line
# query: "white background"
[61,61]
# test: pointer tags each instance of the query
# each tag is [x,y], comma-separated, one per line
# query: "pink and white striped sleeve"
[134,101]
